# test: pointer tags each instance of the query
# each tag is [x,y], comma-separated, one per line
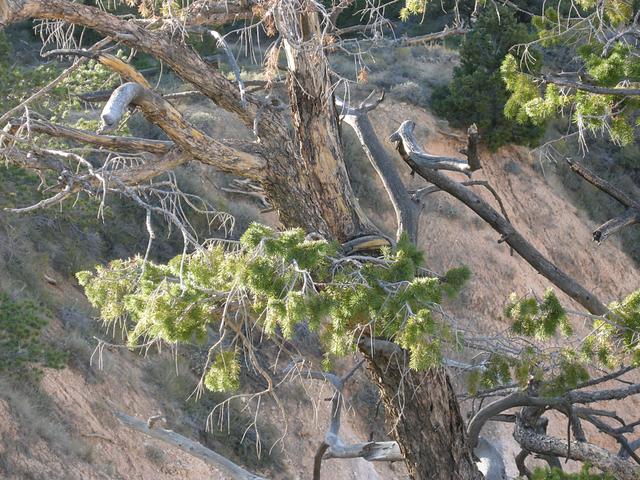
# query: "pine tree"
[477,94]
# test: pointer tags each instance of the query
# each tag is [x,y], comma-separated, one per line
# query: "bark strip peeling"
[160,112]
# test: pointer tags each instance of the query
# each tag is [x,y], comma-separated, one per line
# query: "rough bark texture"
[320,171]
[305,179]
[532,441]
[160,112]
[310,169]
[424,413]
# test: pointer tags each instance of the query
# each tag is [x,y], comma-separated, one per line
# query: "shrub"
[477,93]
[21,345]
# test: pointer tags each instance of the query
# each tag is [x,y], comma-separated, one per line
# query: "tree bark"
[423,411]
[305,178]
[319,171]
[411,153]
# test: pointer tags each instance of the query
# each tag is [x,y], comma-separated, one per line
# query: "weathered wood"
[160,112]
[315,126]
[407,211]
[631,216]
[601,184]
[370,451]
[191,447]
[122,68]
[423,411]
[308,167]
[421,159]
[405,140]
[581,451]
[116,143]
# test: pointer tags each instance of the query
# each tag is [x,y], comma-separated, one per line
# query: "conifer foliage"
[285,278]
[594,89]
[477,94]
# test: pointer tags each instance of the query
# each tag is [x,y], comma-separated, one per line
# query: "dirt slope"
[81,400]
[451,234]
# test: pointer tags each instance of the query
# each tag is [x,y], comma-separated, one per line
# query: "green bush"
[556,474]
[21,347]
[477,93]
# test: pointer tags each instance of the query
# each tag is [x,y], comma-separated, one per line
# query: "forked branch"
[412,153]
[407,211]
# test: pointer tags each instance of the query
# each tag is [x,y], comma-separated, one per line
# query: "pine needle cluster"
[283,279]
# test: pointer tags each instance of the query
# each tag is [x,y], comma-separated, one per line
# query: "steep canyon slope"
[65,429]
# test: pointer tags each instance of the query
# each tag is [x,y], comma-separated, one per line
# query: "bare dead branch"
[520,463]
[410,41]
[189,446]
[47,202]
[116,143]
[222,43]
[407,211]
[208,13]
[507,231]
[248,188]
[601,184]
[629,217]
[619,437]
[581,396]
[202,147]
[317,460]
[102,96]
[370,451]
[337,11]
[518,399]
[585,87]
[417,195]
[432,37]
[605,378]
[332,446]
[183,60]
[422,160]
[580,451]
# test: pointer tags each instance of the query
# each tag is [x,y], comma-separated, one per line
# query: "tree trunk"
[422,409]
[325,201]
[305,178]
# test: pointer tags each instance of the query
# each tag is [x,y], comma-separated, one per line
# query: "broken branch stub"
[410,150]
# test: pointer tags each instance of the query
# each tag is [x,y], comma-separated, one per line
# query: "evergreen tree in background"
[329,268]
[477,93]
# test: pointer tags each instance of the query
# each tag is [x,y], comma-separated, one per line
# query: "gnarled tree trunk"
[305,178]
[423,412]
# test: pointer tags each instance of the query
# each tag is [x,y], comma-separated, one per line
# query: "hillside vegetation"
[64,372]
